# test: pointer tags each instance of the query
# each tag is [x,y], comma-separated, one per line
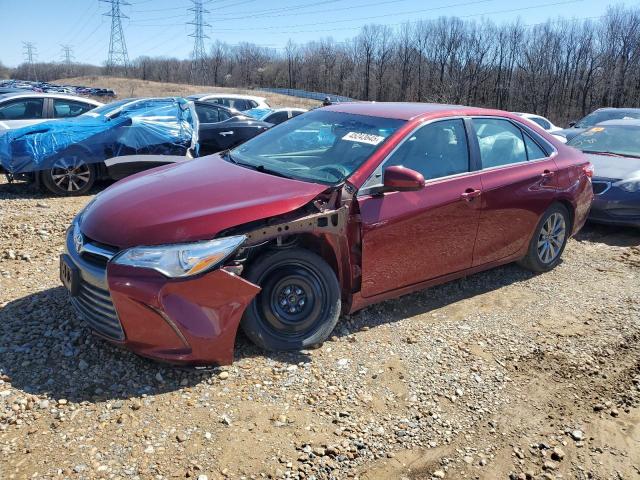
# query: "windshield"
[604,115]
[616,139]
[318,146]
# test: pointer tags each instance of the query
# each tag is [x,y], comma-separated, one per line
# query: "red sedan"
[326,213]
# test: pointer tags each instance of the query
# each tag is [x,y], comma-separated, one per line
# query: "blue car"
[613,147]
[67,156]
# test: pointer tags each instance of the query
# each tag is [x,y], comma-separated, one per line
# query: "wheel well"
[317,244]
[566,204]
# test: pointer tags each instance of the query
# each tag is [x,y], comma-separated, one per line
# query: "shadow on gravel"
[46,349]
[610,235]
[434,298]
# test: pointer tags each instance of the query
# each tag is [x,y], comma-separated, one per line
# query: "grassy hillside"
[130,87]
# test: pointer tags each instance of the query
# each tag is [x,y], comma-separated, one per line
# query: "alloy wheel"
[70,174]
[551,238]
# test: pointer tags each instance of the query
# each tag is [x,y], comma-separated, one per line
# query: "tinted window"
[603,115]
[223,115]
[207,114]
[253,104]
[542,122]
[67,108]
[277,117]
[500,142]
[436,150]
[27,109]
[534,152]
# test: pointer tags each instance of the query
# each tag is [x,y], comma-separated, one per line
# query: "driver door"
[411,237]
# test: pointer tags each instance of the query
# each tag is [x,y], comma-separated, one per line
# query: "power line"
[198,62]
[118,55]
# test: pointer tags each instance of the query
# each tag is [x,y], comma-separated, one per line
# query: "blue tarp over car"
[127,127]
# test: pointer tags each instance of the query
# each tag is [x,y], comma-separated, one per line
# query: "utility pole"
[30,52]
[67,58]
[118,56]
[198,56]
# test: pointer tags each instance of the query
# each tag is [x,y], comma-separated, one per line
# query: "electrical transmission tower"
[30,53]
[198,56]
[118,56]
[67,58]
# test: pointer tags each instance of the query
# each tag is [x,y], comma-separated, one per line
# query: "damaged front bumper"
[186,321]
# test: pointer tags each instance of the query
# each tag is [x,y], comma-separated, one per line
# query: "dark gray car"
[597,116]
[613,147]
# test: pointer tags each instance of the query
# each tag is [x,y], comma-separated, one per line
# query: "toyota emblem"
[78,241]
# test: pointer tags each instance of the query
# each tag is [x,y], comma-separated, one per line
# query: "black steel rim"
[292,302]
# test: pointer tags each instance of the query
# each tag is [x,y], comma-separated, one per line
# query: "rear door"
[518,184]
[22,112]
[411,237]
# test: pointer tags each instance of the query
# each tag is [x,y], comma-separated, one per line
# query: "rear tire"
[299,304]
[70,175]
[549,240]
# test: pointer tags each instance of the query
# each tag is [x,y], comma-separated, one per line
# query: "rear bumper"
[192,321]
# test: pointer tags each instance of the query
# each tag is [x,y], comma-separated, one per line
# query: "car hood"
[615,168]
[190,201]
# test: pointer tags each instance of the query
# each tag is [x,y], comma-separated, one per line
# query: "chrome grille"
[599,187]
[95,306]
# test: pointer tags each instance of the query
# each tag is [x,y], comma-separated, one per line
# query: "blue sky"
[158,27]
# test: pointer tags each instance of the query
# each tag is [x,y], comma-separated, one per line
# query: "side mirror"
[572,124]
[402,179]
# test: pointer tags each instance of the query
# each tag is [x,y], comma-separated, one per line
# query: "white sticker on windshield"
[363,138]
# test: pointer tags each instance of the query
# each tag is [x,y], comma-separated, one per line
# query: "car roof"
[27,94]
[408,111]
[626,122]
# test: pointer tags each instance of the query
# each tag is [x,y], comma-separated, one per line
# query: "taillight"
[588,170]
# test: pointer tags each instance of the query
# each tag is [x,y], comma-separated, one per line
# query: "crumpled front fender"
[180,321]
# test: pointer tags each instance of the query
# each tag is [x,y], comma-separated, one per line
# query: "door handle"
[547,174]
[224,134]
[470,193]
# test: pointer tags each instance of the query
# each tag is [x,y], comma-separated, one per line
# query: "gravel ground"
[503,374]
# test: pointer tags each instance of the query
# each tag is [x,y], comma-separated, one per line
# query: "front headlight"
[181,260]
[630,186]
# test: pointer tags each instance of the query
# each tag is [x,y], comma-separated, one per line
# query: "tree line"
[562,69]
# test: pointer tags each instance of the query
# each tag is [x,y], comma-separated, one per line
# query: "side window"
[27,109]
[253,104]
[207,114]
[277,118]
[500,142]
[534,152]
[240,104]
[67,108]
[542,122]
[223,115]
[436,150]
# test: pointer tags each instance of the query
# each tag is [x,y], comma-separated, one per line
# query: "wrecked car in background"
[67,156]
[282,233]
[120,139]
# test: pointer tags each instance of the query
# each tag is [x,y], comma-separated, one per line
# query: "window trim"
[365,190]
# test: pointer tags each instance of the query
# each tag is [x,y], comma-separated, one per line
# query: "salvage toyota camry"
[328,212]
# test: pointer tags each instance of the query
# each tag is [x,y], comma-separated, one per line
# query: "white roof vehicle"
[21,109]
[539,120]
[232,100]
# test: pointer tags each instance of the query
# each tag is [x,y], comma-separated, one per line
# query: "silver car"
[21,109]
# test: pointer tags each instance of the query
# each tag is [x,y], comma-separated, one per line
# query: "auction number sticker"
[363,138]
